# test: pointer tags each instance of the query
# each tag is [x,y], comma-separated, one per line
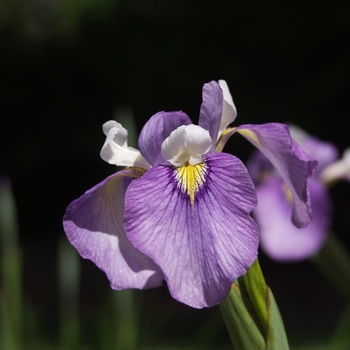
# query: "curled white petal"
[229,111]
[338,170]
[186,145]
[116,150]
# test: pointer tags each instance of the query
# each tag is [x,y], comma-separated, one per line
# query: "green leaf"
[241,321]
[276,338]
[255,284]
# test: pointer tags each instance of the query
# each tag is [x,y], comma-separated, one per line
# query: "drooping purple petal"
[294,165]
[279,238]
[94,226]
[202,244]
[211,109]
[156,130]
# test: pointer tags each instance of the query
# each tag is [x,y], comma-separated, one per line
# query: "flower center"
[184,149]
[190,178]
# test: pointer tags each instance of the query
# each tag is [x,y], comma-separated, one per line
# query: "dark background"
[67,67]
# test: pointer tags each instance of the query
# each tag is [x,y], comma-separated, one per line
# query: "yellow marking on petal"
[226,131]
[190,178]
[223,137]
[288,193]
[135,172]
[250,135]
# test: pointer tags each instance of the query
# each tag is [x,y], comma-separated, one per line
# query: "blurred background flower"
[279,238]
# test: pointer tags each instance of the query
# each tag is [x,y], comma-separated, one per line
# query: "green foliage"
[252,315]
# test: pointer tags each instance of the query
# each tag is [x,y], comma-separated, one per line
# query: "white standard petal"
[186,145]
[338,170]
[229,111]
[116,150]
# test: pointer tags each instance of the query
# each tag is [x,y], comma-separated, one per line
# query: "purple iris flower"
[180,210]
[279,238]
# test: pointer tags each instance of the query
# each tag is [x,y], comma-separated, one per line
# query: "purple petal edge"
[94,226]
[211,109]
[324,152]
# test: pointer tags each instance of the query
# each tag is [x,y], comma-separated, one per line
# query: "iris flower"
[279,238]
[180,210]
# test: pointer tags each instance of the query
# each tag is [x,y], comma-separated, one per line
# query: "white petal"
[198,140]
[186,144]
[229,111]
[121,136]
[115,149]
[338,170]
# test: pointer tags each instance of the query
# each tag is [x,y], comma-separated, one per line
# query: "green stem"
[11,269]
[68,272]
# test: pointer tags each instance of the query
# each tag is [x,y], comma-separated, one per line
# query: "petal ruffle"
[94,226]
[279,238]
[294,165]
[211,110]
[156,130]
[201,245]
[324,152]
[116,151]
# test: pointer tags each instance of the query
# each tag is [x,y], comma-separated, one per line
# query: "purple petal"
[211,110]
[94,226]
[294,165]
[202,244]
[279,238]
[156,130]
